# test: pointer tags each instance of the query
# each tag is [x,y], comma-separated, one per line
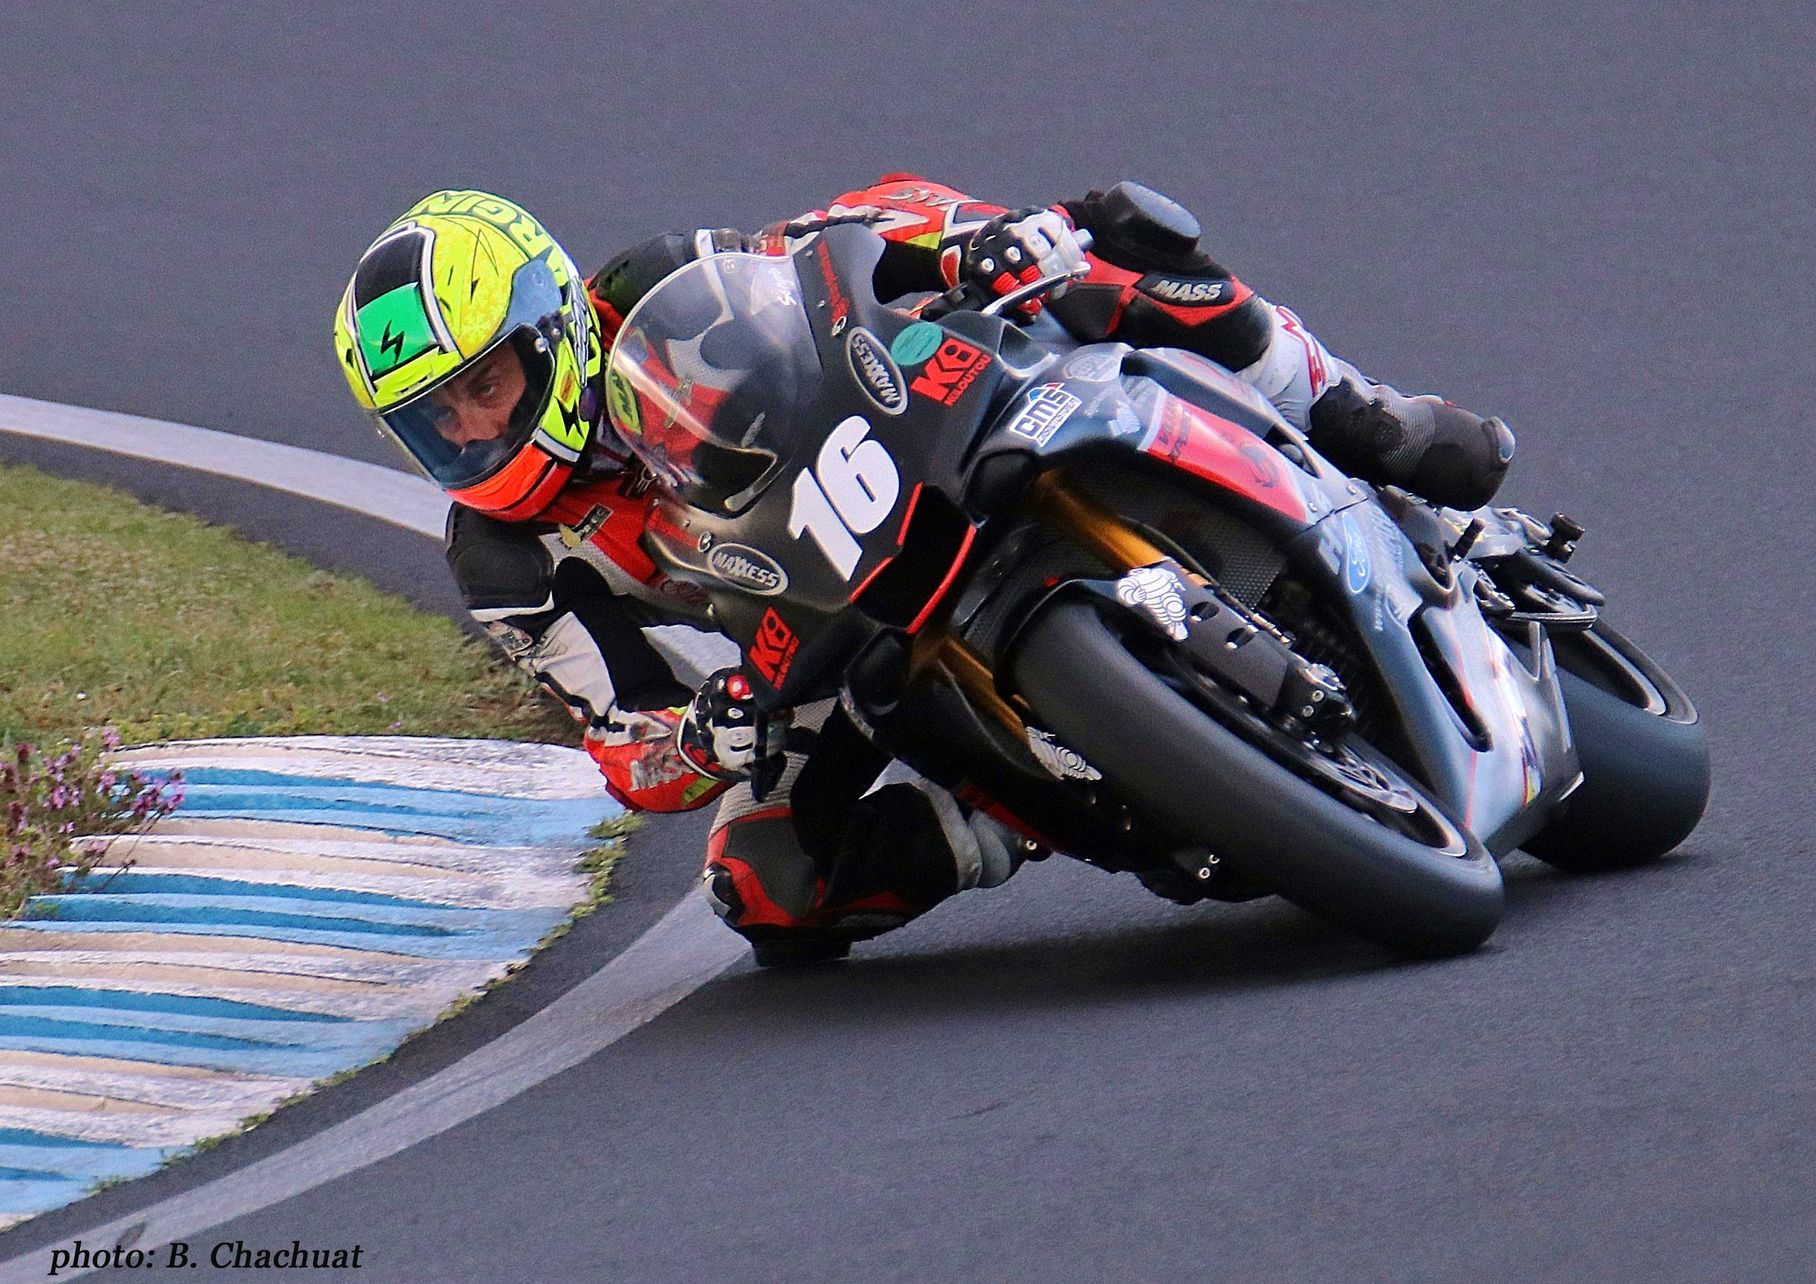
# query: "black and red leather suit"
[819,858]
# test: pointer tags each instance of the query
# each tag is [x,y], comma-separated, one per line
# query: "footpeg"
[1314,694]
[1561,543]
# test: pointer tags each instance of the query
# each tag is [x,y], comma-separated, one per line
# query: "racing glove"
[726,736]
[636,753]
[1018,248]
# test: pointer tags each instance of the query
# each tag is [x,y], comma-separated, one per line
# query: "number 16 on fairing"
[851,489]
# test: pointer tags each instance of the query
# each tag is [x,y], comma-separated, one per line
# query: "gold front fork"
[1090,525]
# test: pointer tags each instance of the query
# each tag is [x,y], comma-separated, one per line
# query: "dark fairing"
[904,512]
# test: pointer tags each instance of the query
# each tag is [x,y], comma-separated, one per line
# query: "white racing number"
[850,490]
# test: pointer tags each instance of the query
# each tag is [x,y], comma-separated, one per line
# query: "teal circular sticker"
[915,344]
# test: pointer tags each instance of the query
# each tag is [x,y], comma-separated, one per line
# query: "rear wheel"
[1645,758]
[1336,829]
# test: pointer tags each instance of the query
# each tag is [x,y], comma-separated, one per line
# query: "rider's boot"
[902,849]
[1425,444]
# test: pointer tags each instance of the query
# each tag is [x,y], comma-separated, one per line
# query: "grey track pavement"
[1592,219]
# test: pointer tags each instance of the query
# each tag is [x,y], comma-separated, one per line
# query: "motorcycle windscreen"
[711,374]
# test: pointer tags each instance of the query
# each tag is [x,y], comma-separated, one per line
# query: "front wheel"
[1644,756]
[1413,882]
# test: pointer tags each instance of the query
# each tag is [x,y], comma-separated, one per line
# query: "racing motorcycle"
[1111,597]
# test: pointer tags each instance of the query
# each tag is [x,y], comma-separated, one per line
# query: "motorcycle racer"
[473,340]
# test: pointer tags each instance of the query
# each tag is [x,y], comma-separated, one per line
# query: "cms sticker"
[875,372]
[748,568]
[1049,406]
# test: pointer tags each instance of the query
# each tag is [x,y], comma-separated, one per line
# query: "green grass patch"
[166,627]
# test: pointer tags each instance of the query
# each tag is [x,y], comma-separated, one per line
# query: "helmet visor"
[472,423]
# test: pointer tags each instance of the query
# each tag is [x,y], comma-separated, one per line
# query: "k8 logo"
[953,367]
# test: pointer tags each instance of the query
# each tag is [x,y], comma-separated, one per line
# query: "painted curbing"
[314,901]
[666,964]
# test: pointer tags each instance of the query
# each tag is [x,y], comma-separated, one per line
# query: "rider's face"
[476,405]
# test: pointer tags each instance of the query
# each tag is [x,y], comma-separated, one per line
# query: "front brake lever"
[1033,290]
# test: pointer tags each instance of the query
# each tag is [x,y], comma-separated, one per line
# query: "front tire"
[1645,759]
[1168,757]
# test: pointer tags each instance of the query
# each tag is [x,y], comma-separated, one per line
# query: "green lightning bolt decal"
[393,329]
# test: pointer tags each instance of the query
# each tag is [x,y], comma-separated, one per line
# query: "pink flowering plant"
[65,807]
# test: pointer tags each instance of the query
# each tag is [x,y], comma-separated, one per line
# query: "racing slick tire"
[1168,757]
[1644,756]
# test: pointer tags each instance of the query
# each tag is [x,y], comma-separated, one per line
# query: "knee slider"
[1135,218]
[1467,459]
[1443,452]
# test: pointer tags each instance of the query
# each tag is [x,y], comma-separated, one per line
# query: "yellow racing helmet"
[461,273]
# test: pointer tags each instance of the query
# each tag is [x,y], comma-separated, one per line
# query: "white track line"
[385,494]
[682,952]
[400,498]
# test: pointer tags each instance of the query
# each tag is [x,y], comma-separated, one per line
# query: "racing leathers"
[844,844]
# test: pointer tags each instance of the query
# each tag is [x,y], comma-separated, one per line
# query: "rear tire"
[1167,757]
[1645,769]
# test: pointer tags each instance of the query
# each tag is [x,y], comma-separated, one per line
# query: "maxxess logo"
[953,367]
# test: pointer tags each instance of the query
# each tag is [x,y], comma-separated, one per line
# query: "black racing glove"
[725,735]
[1017,248]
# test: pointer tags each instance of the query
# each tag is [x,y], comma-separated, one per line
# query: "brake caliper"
[1240,649]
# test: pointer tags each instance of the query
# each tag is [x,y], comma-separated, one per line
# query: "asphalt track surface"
[1592,219]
